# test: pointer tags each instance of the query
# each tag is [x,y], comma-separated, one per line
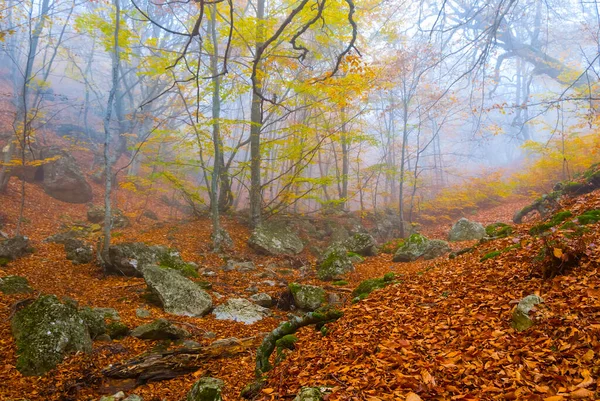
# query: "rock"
[95,214]
[149,214]
[275,239]
[334,262]
[334,299]
[414,247]
[252,289]
[362,243]
[142,313]
[464,230]
[262,299]
[307,297]
[520,317]
[63,180]
[309,394]
[160,329]
[134,397]
[108,313]
[96,319]
[14,248]
[63,237]
[241,267]
[355,258]
[105,338]
[14,285]
[117,329]
[177,294]
[337,232]
[206,389]
[78,252]
[129,258]
[241,310]
[209,334]
[435,249]
[45,332]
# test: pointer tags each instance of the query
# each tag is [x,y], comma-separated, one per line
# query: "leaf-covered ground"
[442,331]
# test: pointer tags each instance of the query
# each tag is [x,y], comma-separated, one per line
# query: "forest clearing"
[299,200]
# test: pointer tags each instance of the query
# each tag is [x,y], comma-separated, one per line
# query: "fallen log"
[169,364]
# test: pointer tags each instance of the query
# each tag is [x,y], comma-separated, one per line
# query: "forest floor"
[442,331]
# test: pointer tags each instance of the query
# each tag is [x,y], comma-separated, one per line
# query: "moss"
[391,246]
[417,239]
[14,285]
[368,286]
[589,217]
[490,255]
[340,282]
[388,277]
[324,330]
[498,230]
[117,330]
[294,287]
[554,221]
[94,321]
[4,262]
[171,260]
[286,342]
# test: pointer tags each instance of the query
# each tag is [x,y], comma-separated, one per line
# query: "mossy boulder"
[334,262]
[308,297]
[177,294]
[98,319]
[14,248]
[436,248]
[520,317]
[362,243]
[130,258]
[275,239]
[465,230]
[206,389]
[45,332]
[160,329]
[412,249]
[14,285]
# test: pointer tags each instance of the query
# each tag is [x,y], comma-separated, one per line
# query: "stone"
[275,239]
[414,247]
[142,313]
[63,180]
[129,258]
[465,230]
[241,267]
[307,297]
[134,397]
[78,251]
[149,214]
[96,319]
[177,294]
[334,262]
[14,285]
[63,237]
[160,329]
[262,299]
[520,317]
[435,249]
[14,248]
[45,332]
[241,310]
[95,214]
[252,289]
[309,394]
[362,243]
[206,389]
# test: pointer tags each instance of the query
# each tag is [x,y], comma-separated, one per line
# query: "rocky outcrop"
[206,389]
[308,297]
[45,332]
[241,310]
[160,329]
[275,239]
[465,230]
[177,294]
[334,262]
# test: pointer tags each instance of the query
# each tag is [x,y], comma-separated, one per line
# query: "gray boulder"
[465,230]
[436,248]
[14,248]
[160,329]
[241,310]
[63,180]
[206,389]
[308,297]
[262,299]
[14,285]
[309,394]
[520,317]
[78,251]
[95,214]
[275,239]
[45,332]
[414,247]
[334,262]
[362,243]
[177,294]
[128,259]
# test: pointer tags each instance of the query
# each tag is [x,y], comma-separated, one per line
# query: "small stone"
[209,334]
[309,394]
[520,318]
[262,299]
[14,285]
[252,289]
[206,389]
[142,313]
[105,338]
[160,329]
[134,397]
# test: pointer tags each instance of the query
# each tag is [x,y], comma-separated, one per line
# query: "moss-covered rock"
[45,332]
[498,230]
[412,249]
[275,239]
[362,243]
[465,230]
[117,330]
[520,317]
[206,389]
[334,262]
[370,285]
[436,248]
[160,329]
[14,285]
[308,297]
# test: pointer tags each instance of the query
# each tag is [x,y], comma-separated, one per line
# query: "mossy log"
[170,364]
[290,327]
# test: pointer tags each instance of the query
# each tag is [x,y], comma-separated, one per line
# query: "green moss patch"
[554,221]
[498,230]
[368,286]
